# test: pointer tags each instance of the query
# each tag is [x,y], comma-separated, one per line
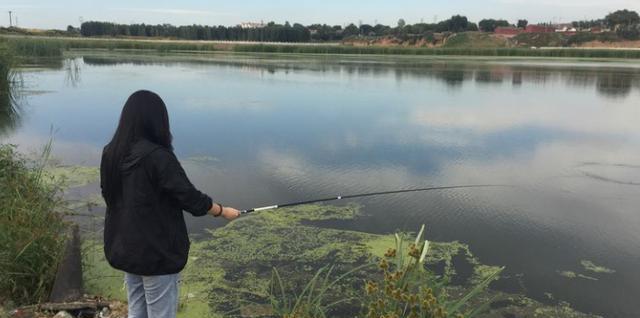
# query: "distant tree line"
[626,24]
[271,32]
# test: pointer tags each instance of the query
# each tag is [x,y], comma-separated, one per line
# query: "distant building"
[566,28]
[596,30]
[252,25]
[534,28]
[508,31]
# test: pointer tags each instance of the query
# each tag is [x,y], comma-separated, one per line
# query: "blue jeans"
[152,296]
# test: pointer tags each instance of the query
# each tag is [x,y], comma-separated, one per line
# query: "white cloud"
[620,119]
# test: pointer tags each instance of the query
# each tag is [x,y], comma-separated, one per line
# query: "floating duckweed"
[568,274]
[482,272]
[571,274]
[88,202]
[591,267]
[73,176]
[229,273]
[203,159]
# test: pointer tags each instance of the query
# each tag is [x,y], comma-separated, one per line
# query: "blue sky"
[60,13]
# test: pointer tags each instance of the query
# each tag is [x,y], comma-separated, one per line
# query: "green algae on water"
[229,271]
[571,274]
[88,202]
[72,176]
[591,267]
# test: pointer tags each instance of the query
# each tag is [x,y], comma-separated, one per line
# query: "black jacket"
[145,232]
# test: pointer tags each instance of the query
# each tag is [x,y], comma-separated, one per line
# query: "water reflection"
[72,68]
[615,85]
[9,102]
[257,130]
[617,81]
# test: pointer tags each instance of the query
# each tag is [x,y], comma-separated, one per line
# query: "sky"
[60,13]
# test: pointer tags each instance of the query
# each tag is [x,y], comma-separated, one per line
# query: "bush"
[31,230]
[581,37]
[629,32]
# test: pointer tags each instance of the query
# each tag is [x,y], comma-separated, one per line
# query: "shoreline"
[35,43]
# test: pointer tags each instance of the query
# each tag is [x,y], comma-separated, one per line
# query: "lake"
[255,130]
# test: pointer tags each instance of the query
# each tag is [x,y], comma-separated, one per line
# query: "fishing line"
[342,197]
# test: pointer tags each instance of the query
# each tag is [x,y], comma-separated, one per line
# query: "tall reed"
[31,229]
[490,52]
[8,84]
[52,47]
[408,289]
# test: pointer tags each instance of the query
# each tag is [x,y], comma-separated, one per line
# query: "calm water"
[266,129]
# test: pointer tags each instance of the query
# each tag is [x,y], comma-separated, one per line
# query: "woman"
[146,190]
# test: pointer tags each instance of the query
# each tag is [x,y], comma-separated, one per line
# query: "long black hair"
[144,116]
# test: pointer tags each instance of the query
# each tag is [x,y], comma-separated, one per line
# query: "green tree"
[366,29]
[472,27]
[457,23]
[401,23]
[622,18]
[522,24]
[381,30]
[490,25]
[351,30]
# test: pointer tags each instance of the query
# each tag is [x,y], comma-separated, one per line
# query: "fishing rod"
[342,197]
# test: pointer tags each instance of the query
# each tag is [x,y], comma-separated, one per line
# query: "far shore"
[35,45]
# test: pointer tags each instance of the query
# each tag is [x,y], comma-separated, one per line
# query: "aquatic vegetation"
[72,176]
[35,47]
[571,274]
[32,232]
[98,275]
[588,266]
[591,267]
[52,47]
[9,82]
[203,159]
[311,301]
[230,269]
[568,274]
[87,202]
[504,52]
[520,306]
[408,289]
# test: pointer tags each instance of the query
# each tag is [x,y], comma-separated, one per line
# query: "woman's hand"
[230,213]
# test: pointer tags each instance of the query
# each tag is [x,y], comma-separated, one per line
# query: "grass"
[311,302]
[404,288]
[475,40]
[52,47]
[490,52]
[31,229]
[539,39]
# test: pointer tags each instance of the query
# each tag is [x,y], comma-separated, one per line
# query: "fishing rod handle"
[271,207]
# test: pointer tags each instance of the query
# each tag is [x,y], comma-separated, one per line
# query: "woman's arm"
[224,211]
[174,181]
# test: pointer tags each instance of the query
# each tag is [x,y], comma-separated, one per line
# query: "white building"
[251,25]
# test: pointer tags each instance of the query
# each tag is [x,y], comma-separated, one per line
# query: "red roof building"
[533,28]
[596,30]
[508,31]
